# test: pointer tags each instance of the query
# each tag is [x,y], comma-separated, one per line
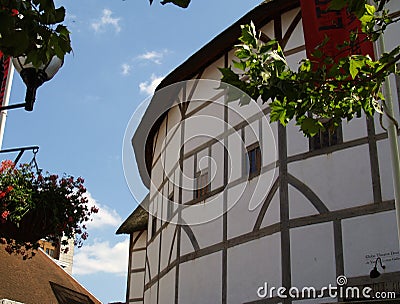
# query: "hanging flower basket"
[36,206]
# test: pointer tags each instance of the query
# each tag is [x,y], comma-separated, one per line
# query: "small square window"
[326,138]
[170,206]
[253,160]
[202,184]
[153,226]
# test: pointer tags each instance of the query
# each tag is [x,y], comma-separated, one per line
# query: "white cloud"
[101,257]
[148,87]
[106,20]
[105,217]
[153,56]
[126,69]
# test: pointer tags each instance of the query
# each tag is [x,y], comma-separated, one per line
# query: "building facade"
[238,208]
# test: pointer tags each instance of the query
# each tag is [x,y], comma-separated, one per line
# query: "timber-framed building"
[300,214]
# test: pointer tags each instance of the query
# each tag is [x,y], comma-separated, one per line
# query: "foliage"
[33,28]
[337,89]
[61,202]
[180,3]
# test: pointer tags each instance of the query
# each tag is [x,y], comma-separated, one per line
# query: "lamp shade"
[34,77]
[50,69]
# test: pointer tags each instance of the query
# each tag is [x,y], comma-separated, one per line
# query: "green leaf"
[248,35]
[337,4]
[239,65]
[311,126]
[355,65]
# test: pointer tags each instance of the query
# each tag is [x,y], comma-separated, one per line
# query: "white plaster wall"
[204,211]
[157,174]
[197,284]
[341,179]
[236,150]
[204,126]
[385,169]
[368,237]
[245,202]
[272,216]
[250,266]
[296,142]
[152,255]
[171,155]
[188,179]
[167,288]
[299,205]
[167,239]
[136,288]
[295,59]
[313,256]
[268,29]
[269,142]
[203,233]
[212,72]
[356,128]
[251,133]
[138,259]
[297,38]
[217,167]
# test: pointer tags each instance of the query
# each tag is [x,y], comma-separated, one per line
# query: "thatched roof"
[137,221]
[39,280]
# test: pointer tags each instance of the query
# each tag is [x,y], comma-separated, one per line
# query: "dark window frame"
[253,160]
[153,226]
[170,205]
[201,191]
[326,139]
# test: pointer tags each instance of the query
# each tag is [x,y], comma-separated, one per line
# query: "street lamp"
[35,77]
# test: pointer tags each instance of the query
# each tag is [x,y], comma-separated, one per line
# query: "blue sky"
[122,49]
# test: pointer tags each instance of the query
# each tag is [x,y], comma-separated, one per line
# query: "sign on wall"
[4,71]
[320,22]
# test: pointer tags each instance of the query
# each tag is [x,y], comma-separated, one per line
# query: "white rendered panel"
[167,288]
[251,265]
[136,287]
[152,255]
[313,256]
[365,239]
[166,244]
[209,233]
[299,205]
[297,37]
[385,169]
[354,129]
[138,259]
[268,29]
[171,155]
[295,59]
[240,218]
[212,71]
[200,281]
[296,142]
[235,154]
[273,214]
[217,170]
[341,179]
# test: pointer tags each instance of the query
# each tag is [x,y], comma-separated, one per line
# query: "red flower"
[9,188]
[5,214]
[94,209]
[14,12]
